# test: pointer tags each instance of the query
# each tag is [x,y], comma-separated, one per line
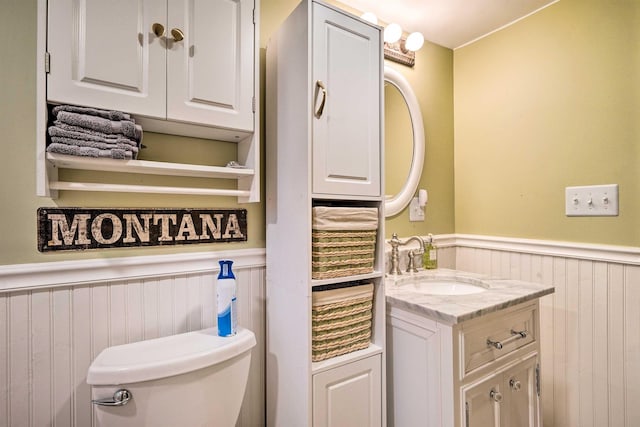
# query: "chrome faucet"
[395,253]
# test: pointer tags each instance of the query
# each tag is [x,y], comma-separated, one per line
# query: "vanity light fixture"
[397,48]
[370,17]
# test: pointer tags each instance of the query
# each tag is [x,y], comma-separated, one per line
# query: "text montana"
[77,228]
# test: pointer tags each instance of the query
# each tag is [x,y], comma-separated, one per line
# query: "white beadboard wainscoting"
[590,326]
[56,317]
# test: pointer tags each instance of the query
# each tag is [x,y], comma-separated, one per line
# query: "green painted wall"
[432,81]
[550,102]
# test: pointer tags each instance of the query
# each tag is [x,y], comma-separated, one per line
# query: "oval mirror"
[395,203]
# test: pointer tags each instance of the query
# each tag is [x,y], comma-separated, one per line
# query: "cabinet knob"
[158,29]
[177,34]
[496,396]
[515,384]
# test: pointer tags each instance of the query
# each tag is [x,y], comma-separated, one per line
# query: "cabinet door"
[417,386]
[523,399]
[506,398]
[349,395]
[346,122]
[104,54]
[210,71]
[482,403]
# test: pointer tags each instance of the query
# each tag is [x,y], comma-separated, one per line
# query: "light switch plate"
[592,200]
[416,213]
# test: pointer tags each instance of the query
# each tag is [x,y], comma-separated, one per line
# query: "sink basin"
[446,287]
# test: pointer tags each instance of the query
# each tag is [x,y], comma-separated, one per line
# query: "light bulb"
[392,33]
[414,41]
[370,17]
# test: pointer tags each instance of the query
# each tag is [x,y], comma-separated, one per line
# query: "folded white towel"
[342,294]
[343,218]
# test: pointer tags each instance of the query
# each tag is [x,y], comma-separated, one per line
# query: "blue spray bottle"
[227,315]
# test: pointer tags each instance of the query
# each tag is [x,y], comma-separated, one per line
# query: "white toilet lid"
[166,356]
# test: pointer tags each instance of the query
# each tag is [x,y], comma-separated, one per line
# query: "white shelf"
[63,161]
[345,279]
[126,188]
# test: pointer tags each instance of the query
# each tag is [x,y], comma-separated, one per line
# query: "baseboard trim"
[73,273]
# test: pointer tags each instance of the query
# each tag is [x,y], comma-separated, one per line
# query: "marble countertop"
[500,293]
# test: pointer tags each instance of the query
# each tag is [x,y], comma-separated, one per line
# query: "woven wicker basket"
[343,241]
[341,321]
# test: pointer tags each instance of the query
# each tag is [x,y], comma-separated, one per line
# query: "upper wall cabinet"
[189,61]
[346,92]
[182,67]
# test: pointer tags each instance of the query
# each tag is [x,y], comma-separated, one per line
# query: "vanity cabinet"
[479,373]
[323,150]
[180,67]
[187,61]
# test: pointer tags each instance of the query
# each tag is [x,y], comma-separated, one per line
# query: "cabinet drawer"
[484,342]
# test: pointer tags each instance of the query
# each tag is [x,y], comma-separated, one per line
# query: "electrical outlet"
[592,200]
[416,213]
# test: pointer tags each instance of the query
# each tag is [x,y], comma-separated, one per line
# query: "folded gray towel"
[107,114]
[93,144]
[74,150]
[62,130]
[100,124]
[83,131]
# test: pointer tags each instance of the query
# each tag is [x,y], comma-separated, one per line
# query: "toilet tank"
[190,379]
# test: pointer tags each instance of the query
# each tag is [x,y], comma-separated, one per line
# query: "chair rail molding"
[585,251]
[81,272]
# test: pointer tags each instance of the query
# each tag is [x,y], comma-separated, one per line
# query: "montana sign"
[80,228]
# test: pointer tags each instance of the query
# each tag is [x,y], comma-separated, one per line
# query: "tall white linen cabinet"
[324,149]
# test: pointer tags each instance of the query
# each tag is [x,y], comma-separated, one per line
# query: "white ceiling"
[450,23]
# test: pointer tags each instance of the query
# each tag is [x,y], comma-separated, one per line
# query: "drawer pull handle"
[496,396]
[320,87]
[515,335]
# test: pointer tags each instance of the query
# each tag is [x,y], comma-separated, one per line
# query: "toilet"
[191,379]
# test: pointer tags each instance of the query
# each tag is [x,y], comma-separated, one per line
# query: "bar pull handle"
[120,398]
[320,87]
[515,335]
